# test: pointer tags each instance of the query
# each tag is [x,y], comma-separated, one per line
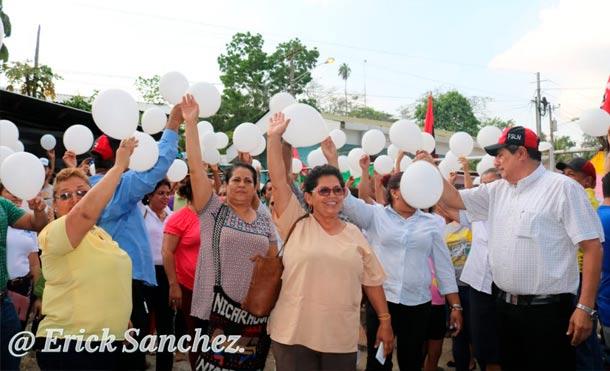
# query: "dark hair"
[185,190]
[264,190]
[97,159]
[533,153]
[229,172]
[311,181]
[492,170]
[163,182]
[606,185]
[393,183]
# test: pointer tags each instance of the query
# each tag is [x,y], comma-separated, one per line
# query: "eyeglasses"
[65,196]
[325,191]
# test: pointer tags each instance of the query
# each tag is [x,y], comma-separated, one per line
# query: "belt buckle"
[513,299]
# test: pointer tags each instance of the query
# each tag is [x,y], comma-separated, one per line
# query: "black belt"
[509,298]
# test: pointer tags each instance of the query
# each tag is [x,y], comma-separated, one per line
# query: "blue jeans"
[9,326]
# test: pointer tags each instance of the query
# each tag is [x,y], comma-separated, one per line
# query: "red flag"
[606,103]
[429,121]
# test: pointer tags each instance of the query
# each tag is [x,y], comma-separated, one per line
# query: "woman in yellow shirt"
[327,265]
[88,276]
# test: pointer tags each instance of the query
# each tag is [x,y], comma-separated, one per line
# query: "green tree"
[6,24]
[498,122]
[149,89]
[370,113]
[452,112]
[80,102]
[251,76]
[344,72]
[37,82]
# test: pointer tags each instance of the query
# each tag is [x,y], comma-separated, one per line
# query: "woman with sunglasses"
[327,265]
[404,238]
[88,276]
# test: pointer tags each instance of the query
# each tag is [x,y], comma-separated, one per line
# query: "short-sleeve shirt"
[319,303]
[19,245]
[459,241]
[239,242]
[87,287]
[534,228]
[9,214]
[184,224]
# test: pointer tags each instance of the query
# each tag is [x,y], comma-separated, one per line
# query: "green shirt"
[9,214]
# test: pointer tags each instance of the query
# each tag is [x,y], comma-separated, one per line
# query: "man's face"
[582,178]
[508,163]
[489,177]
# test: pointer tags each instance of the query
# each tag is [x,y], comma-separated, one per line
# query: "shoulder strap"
[219,221]
[279,253]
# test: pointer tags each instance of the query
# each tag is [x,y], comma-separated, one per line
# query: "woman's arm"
[170,242]
[202,189]
[34,261]
[87,211]
[277,169]
[364,187]
[385,334]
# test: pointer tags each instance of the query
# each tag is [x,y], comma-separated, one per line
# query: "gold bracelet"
[384,316]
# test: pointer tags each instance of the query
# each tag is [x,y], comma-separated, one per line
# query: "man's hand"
[37,204]
[456,321]
[580,326]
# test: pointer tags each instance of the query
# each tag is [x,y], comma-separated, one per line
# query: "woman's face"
[327,198]
[398,202]
[241,187]
[68,193]
[159,199]
[12,198]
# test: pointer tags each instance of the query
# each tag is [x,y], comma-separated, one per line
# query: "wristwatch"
[590,311]
[456,307]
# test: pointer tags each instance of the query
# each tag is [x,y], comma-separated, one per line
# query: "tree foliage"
[370,113]
[80,102]
[149,89]
[6,23]
[37,82]
[452,112]
[498,122]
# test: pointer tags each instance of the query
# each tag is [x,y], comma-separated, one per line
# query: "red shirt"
[185,224]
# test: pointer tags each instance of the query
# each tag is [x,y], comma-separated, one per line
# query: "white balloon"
[208,98]
[383,164]
[405,135]
[246,137]
[338,137]
[373,141]
[461,144]
[354,157]
[544,146]
[488,135]
[146,154]
[48,142]
[210,155]
[393,151]
[452,161]
[116,113]
[405,162]
[307,126]
[595,122]
[78,139]
[177,171]
[262,145]
[18,146]
[428,142]
[208,140]
[343,164]
[256,164]
[5,152]
[9,134]
[486,163]
[279,101]
[222,140]
[316,158]
[445,169]
[173,86]
[421,185]
[356,172]
[22,174]
[153,120]
[297,166]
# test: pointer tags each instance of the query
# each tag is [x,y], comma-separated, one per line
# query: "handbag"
[266,280]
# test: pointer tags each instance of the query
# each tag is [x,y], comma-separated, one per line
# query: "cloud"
[571,46]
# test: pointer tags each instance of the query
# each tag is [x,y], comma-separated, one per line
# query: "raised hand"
[51,155]
[124,151]
[464,161]
[69,159]
[175,117]
[277,124]
[425,156]
[190,109]
[365,162]
[37,204]
[245,157]
[329,149]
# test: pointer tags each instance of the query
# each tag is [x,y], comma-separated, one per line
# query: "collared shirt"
[122,219]
[477,272]
[154,227]
[534,228]
[403,247]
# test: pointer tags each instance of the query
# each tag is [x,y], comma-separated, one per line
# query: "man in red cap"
[536,219]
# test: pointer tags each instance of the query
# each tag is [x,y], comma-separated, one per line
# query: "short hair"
[311,180]
[606,185]
[244,165]
[534,154]
[67,173]
[185,190]
[493,171]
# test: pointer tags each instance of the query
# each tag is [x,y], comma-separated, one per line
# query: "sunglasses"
[325,191]
[65,196]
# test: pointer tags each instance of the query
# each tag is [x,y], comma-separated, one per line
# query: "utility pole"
[552,129]
[37,48]
[538,110]
[365,83]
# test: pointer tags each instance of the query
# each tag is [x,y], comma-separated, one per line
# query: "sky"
[481,48]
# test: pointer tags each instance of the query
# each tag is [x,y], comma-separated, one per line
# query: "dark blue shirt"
[603,296]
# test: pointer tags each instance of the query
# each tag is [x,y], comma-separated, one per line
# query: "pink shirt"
[185,224]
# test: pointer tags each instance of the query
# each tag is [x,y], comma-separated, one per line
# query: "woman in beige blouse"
[327,265]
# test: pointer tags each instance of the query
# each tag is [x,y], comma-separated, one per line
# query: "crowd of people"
[508,268]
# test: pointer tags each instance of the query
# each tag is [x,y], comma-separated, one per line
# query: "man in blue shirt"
[603,296]
[123,221]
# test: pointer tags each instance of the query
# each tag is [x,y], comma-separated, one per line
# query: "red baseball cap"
[579,164]
[518,136]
